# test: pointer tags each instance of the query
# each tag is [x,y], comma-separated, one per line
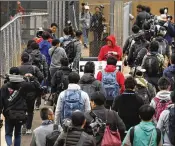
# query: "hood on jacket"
[87,78]
[163,95]
[44,44]
[112,39]
[141,82]
[110,68]
[147,127]
[35,52]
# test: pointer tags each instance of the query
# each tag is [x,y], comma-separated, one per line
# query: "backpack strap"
[132,135]
[53,52]
[158,136]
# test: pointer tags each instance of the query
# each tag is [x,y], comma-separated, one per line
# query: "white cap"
[86,7]
[139,68]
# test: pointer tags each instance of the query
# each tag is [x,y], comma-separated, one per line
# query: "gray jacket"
[40,133]
[85,20]
[78,47]
[56,53]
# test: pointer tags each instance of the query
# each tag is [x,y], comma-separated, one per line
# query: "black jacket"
[57,77]
[29,68]
[113,120]
[73,137]
[127,105]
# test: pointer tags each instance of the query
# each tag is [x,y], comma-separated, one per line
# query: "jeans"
[97,36]
[30,109]
[85,35]
[9,126]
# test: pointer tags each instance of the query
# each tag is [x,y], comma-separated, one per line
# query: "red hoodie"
[119,76]
[106,50]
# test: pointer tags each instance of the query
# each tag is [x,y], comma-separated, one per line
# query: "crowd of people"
[104,110]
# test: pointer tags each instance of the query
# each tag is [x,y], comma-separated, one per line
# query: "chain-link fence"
[14,36]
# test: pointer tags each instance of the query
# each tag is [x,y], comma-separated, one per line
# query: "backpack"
[161,105]
[110,84]
[90,88]
[171,127]
[152,65]
[143,93]
[17,107]
[37,60]
[52,137]
[72,101]
[132,136]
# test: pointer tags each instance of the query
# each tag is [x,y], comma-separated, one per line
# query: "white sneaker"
[37,108]
[29,131]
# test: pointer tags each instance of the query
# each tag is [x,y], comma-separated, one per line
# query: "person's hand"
[1,123]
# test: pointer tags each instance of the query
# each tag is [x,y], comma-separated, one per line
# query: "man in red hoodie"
[111,68]
[111,49]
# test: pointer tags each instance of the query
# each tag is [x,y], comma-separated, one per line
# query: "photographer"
[97,23]
[13,101]
[112,118]
[75,135]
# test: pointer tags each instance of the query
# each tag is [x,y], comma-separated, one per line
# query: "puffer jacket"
[72,137]
[89,78]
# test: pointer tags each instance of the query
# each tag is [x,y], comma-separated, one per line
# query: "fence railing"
[14,36]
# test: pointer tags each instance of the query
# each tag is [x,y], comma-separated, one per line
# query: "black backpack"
[17,107]
[152,65]
[171,127]
[52,137]
[37,60]
[132,136]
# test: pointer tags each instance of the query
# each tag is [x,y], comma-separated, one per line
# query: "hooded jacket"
[142,135]
[163,95]
[44,49]
[113,50]
[119,76]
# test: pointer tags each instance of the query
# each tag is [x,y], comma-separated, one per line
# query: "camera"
[67,124]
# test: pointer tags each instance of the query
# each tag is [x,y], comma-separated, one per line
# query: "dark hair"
[130,83]
[44,112]
[154,46]
[173,96]
[173,59]
[64,61]
[83,4]
[46,35]
[14,70]
[147,9]
[161,10]
[25,57]
[78,118]
[78,33]
[111,60]
[163,83]
[98,98]
[146,112]
[135,29]
[29,43]
[146,26]
[74,77]
[54,24]
[66,30]
[143,8]
[34,46]
[139,6]
[89,67]
[55,42]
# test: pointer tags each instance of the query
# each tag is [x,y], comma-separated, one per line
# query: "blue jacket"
[169,71]
[142,135]
[44,49]
[170,33]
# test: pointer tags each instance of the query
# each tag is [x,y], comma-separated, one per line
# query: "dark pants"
[38,101]
[9,127]
[97,36]
[30,109]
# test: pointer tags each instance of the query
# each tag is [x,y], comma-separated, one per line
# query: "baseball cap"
[86,7]
[140,69]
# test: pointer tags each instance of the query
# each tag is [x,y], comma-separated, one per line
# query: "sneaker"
[45,102]
[29,131]
[23,131]
[37,108]
[85,45]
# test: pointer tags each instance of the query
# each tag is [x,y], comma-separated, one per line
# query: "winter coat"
[85,20]
[127,45]
[141,17]
[97,22]
[127,105]
[44,49]
[73,136]
[119,76]
[57,76]
[89,78]
[113,50]
[113,120]
[56,54]
[142,134]
[28,68]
